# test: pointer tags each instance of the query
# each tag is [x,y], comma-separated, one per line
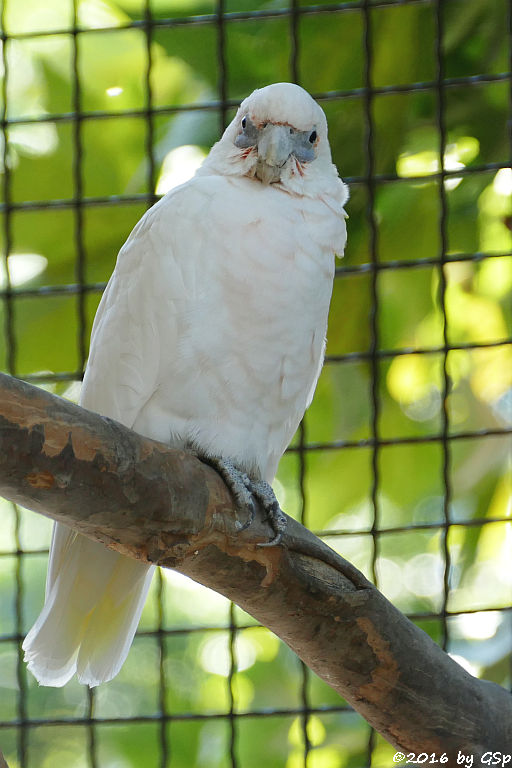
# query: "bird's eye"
[244,122]
[312,137]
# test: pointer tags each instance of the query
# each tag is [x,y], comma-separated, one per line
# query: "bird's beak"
[274,145]
[274,149]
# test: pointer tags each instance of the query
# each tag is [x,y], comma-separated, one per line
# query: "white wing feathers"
[124,358]
[94,597]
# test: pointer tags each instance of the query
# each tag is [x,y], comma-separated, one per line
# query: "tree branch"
[164,506]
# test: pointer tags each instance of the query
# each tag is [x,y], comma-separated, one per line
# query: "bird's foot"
[238,483]
[264,492]
[244,491]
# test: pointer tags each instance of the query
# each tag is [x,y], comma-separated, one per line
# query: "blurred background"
[403,462]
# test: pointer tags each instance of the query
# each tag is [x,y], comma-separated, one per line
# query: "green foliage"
[112,66]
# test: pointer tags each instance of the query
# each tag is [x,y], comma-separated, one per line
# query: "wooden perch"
[164,506]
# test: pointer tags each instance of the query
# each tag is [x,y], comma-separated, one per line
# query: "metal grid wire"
[370,181]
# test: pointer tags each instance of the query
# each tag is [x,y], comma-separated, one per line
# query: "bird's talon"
[273,542]
[245,492]
[243,526]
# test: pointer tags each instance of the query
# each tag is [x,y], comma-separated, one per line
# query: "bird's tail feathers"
[93,605]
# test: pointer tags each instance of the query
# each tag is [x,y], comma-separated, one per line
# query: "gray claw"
[243,526]
[238,483]
[277,520]
[276,517]
[245,491]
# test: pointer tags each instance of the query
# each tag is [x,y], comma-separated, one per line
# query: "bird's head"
[278,136]
[279,129]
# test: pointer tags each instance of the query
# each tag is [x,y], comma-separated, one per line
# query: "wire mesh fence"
[402,462]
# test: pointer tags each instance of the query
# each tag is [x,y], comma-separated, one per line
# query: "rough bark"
[164,506]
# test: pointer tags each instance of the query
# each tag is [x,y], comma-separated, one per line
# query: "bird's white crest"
[211,331]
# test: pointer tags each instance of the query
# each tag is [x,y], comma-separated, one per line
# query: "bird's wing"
[124,355]
[94,597]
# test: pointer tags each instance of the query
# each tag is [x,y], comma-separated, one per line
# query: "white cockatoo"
[210,335]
